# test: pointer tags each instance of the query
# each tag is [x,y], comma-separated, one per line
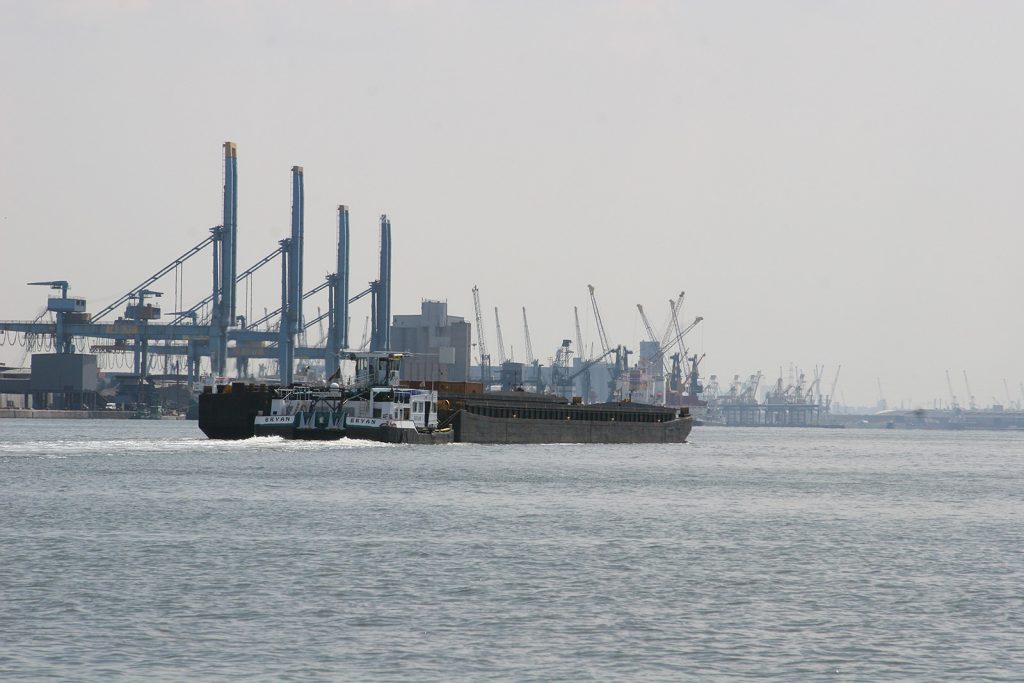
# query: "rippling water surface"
[141,550]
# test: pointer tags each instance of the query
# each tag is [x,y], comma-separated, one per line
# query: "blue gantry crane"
[222,333]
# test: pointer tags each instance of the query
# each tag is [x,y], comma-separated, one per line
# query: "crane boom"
[366,338]
[192,312]
[952,394]
[679,337]
[647,324]
[501,342]
[605,348]
[322,316]
[579,336]
[835,381]
[673,322]
[526,333]
[153,278]
[320,287]
[589,364]
[676,308]
[970,395]
[485,358]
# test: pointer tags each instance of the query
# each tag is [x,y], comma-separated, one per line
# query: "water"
[140,550]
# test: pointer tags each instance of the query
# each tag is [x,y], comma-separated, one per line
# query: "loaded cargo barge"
[382,410]
[519,417]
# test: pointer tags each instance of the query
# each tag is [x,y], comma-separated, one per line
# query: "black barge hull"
[232,414]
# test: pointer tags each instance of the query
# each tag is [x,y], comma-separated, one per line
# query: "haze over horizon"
[830,183]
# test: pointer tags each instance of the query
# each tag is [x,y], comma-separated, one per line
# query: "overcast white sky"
[830,182]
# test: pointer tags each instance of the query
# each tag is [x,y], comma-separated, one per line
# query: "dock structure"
[772,414]
[798,403]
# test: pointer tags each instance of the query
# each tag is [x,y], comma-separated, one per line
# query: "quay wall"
[70,414]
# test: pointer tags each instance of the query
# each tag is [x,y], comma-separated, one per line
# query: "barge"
[377,407]
[520,417]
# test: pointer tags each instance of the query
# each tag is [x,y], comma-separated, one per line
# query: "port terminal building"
[438,344]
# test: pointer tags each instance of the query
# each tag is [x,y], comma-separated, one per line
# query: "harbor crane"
[970,396]
[501,342]
[176,263]
[647,324]
[954,405]
[529,344]
[204,330]
[62,285]
[589,364]
[485,358]
[579,336]
[832,391]
[813,392]
[365,341]
[679,336]
[192,312]
[748,390]
[563,380]
[675,380]
[560,368]
[602,336]
[674,307]
[659,359]
[63,307]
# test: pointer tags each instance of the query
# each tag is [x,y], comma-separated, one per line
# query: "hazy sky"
[830,182]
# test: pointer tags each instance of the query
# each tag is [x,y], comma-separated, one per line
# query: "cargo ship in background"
[378,407]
